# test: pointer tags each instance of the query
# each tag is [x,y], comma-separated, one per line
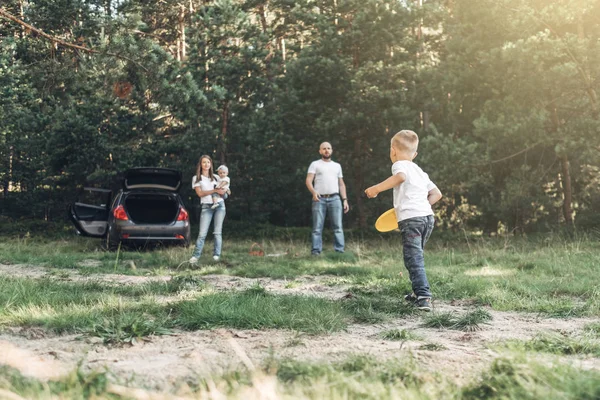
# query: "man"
[329,196]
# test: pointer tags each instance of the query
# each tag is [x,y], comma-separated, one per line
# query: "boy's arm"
[434,196]
[389,183]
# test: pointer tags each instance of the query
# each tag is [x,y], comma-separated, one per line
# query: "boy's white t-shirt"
[205,184]
[410,197]
[327,176]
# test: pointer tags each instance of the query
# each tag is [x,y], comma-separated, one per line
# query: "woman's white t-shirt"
[206,184]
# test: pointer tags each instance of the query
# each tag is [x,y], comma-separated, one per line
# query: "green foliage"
[503,94]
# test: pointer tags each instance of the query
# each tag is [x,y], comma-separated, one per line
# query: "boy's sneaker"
[215,205]
[193,260]
[411,298]
[216,258]
[424,304]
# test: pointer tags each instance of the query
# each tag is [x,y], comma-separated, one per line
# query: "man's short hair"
[406,140]
[223,168]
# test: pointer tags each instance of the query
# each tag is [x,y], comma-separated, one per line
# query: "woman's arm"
[202,193]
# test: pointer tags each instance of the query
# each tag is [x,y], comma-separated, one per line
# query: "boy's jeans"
[207,215]
[415,233]
[320,209]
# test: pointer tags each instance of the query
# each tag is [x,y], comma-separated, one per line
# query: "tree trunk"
[181,55]
[359,183]
[224,128]
[567,191]
[263,17]
[565,177]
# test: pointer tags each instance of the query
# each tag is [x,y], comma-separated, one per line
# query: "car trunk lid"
[152,178]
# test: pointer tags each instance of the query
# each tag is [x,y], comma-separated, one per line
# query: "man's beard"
[327,157]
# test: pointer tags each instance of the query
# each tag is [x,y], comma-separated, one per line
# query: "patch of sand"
[488,271]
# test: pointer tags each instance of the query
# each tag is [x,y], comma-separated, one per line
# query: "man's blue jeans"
[208,214]
[320,209]
[415,233]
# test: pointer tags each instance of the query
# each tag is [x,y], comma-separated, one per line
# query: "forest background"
[503,94]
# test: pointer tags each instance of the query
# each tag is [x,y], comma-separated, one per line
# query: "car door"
[90,212]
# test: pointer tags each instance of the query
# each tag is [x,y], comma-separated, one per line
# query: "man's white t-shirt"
[410,197]
[205,184]
[327,176]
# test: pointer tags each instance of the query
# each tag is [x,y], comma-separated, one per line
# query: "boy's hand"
[372,192]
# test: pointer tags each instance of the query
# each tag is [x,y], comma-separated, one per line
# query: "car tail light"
[179,237]
[120,213]
[183,215]
[125,236]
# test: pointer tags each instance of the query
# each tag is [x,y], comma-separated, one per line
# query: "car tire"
[111,242]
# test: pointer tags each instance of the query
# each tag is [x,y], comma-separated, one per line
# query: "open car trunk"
[152,208]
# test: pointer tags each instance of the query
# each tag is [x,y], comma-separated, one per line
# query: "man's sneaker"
[216,258]
[411,298]
[424,304]
[193,260]
[215,205]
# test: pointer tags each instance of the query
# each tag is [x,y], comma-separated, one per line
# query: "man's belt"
[329,195]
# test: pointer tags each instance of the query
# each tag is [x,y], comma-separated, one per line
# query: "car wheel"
[111,242]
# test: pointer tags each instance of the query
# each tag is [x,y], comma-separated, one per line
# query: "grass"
[593,329]
[354,377]
[469,321]
[560,344]
[542,275]
[128,328]
[256,309]
[75,292]
[549,277]
[399,334]
[517,379]
[77,385]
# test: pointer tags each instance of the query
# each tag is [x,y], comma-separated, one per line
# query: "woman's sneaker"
[193,260]
[424,304]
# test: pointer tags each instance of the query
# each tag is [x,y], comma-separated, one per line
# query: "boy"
[224,183]
[414,194]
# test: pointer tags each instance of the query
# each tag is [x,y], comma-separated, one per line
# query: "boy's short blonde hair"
[406,140]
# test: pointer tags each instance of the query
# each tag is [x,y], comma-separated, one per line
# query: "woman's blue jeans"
[320,209]
[415,233]
[208,214]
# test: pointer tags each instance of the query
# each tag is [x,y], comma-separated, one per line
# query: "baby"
[224,183]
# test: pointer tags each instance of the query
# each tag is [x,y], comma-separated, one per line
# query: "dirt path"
[158,362]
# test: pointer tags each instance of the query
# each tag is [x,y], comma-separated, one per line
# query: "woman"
[205,187]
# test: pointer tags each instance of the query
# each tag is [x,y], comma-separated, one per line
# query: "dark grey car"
[148,209]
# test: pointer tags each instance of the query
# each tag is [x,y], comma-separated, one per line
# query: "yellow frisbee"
[387,221]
